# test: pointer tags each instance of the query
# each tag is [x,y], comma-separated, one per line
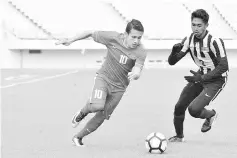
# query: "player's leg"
[90,127]
[197,107]
[95,103]
[111,103]
[189,93]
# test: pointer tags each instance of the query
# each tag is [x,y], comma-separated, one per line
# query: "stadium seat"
[162,20]
[229,13]
[55,17]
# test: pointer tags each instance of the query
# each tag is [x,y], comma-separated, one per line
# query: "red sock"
[92,125]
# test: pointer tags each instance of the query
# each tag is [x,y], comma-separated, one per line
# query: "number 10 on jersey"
[123,59]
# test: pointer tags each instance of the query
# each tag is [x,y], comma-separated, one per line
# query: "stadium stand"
[174,17]
[31,25]
[50,18]
[216,21]
[229,13]
[157,17]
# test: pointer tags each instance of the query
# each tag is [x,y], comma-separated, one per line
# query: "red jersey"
[119,60]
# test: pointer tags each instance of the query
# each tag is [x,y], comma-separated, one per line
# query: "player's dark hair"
[202,14]
[134,24]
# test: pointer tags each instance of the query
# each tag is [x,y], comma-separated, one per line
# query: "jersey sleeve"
[103,37]
[179,50]
[218,48]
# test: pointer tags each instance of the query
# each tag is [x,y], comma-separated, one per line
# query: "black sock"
[178,124]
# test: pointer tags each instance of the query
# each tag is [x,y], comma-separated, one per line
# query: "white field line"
[39,79]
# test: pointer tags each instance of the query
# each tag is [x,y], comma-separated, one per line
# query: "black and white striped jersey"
[206,52]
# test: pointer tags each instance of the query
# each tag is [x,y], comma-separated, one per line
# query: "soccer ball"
[156,143]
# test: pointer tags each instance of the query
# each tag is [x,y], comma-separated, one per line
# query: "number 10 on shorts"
[98,94]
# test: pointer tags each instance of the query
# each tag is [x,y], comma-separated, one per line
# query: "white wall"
[8,59]
[73,59]
[62,59]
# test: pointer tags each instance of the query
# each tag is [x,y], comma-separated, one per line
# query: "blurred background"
[29,29]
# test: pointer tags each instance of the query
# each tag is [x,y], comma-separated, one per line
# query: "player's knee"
[100,121]
[179,110]
[99,118]
[194,112]
[96,107]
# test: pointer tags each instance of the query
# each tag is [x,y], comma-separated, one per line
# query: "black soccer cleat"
[208,122]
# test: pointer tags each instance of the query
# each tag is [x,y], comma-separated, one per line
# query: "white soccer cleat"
[77,118]
[77,141]
[176,139]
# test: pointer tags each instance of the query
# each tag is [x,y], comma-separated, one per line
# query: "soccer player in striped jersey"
[124,62]
[209,54]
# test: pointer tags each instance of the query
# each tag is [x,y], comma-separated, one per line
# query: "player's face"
[133,39]
[199,27]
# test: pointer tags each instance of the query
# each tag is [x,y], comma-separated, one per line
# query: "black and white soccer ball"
[156,143]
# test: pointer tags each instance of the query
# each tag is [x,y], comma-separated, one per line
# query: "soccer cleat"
[77,118]
[208,122]
[176,139]
[77,141]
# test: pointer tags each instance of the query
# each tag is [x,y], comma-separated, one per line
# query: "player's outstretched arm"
[176,54]
[135,73]
[80,36]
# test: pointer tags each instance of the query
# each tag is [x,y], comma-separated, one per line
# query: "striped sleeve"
[217,47]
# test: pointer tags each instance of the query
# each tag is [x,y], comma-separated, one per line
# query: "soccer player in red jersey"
[124,62]
[209,54]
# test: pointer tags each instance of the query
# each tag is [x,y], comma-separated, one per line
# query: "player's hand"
[64,41]
[133,76]
[197,77]
[177,48]
[135,73]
